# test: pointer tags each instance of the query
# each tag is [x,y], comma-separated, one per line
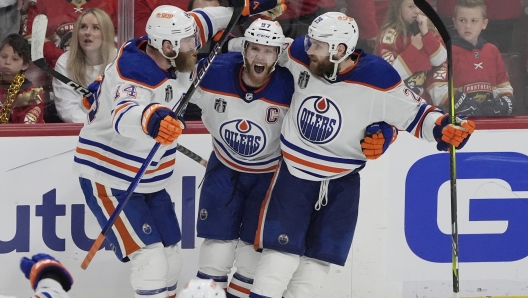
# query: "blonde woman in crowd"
[91,49]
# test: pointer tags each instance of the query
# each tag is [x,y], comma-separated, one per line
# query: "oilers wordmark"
[243,136]
[319,119]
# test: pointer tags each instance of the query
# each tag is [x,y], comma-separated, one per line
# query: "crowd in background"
[81,42]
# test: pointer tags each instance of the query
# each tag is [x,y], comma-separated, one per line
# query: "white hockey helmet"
[170,23]
[202,288]
[334,28]
[265,32]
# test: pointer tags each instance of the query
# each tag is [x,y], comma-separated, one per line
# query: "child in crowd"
[480,78]
[410,43]
[20,101]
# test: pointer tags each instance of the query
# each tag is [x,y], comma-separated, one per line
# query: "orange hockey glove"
[378,137]
[448,134]
[161,124]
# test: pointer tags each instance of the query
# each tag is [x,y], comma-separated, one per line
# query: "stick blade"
[91,253]
[38,36]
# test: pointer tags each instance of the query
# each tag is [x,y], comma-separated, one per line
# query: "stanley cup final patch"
[304,77]
[168,93]
[220,105]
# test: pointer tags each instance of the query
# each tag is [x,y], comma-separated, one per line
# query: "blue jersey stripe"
[116,127]
[417,118]
[264,163]
[151,292]
[322,157]
[102,169]
[111,150]
[118,174]
[310,173]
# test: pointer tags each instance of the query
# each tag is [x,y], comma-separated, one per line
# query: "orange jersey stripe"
[374,87]
[129,243]
[123,165]
[259,241]
[120,108]
[200,26]
[239,288]
[312,164]
[218,92]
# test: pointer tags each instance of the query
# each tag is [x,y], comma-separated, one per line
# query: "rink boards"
[402,244]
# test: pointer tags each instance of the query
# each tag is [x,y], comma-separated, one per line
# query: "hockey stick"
[237,11]
[426,8]
[37,44]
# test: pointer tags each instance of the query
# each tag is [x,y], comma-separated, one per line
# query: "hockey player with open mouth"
[244,99]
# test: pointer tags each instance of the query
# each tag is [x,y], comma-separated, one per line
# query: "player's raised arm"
[210,20]
[425,121]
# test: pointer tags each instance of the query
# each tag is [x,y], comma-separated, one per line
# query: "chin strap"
[334,74]
[336,65]
[171,59]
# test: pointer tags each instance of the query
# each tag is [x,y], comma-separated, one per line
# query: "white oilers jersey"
[245,124]
[327,119]
[112,145]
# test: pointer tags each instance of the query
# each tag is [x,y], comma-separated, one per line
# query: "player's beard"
[186,61]
[322,66]
[258,75]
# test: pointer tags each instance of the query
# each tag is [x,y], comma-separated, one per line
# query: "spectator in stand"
[143,9]
[366,20]
[20,101]
[62,14]
[410,43]
[502,16]
[91,49]
[300,14]
[10,11]
[480,77]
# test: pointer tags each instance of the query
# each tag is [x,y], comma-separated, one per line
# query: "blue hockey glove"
[43,265]
[161,124]
[378,137]
[88,101]
[447,134]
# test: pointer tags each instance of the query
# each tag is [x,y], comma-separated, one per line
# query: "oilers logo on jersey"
[245,137]
[319,119]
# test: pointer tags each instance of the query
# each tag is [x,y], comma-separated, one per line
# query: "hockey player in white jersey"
[244,99]
[309,215]
[130,111]
[47,276]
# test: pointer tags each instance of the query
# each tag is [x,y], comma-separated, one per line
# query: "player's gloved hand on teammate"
[270,9]
[161,124]
[378,137]
[447,134]
[88,101]
[45,266]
